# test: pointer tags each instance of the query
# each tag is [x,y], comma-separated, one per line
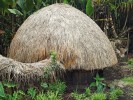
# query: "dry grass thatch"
[26,71]
[77,39]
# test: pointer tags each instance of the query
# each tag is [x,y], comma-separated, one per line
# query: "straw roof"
[77,39]
[26,71]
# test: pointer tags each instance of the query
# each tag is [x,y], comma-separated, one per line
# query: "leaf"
[15,96]
[101,79]
[21,4]
[2,4]
[100,88]
[65,1]
[29,4]
[32,92]
[93,84]
[44,85]
[97,83]
[2,92]
[9,84]
[87,91]
[112,6]
[15,12]
[39,2]
[21,92]
[89,8]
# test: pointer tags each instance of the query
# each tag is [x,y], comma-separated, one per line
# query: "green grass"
[128,80]
[131,93]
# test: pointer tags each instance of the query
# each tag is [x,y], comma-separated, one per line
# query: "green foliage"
[54,91]
[87,92]
[52,67]
[41,96]
[51,92]
[44,85]
[130,61]
[13,97]
[17,95]
[128,80]
[57,86]
[98,96]
[83,96]
[2,92]
[89,8]
[9,84]
[98,83]
[113,95]
[77,96]
[15,11]
[32,92]
[53,57]
[53,95]
[65,1]
[48,96]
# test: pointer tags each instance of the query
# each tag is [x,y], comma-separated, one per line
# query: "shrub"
[77,96]
[113,95]
[57,86]
[98,96]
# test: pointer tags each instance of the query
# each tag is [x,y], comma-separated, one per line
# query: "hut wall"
[131,42]
[79,79]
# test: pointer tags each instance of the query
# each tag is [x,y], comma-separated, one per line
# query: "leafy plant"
[15,11]
[98,96]
[89,8]
[128,80]
[65,1]
[57,86]
[9,84]
[130,61]
[77,96]
[53,95]
[32,92]
[98,83]
[48,96]
[113,95]
[87,92]
[41,96]
[52,67]
[2,92]
[83,96]
[44,85]
[17,95]
[53,57]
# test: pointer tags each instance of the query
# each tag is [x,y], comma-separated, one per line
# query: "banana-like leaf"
[89,8]
[65,1]
[21,4]
[2,92]
[15,12]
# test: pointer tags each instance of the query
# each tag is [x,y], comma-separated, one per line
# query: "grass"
[131,93]
[128,80]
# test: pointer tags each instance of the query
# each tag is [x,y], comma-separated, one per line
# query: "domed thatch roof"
[77,39]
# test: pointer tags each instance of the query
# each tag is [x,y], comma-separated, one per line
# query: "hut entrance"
[131,42]
[79,79]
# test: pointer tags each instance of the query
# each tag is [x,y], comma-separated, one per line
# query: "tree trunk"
[14,68]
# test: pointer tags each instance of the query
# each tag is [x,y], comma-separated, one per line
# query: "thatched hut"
[78,41]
